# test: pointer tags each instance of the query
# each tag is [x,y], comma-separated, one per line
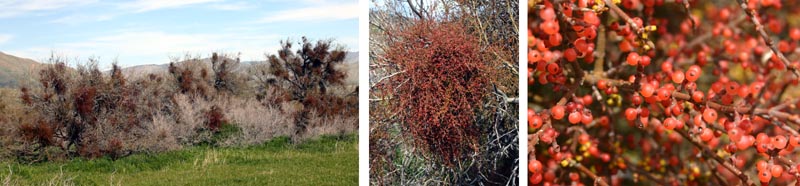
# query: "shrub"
[214,118]
[225,79]
[89,113]
[258,123]
[649,92]
[84,112]
[306,75]
[445,86]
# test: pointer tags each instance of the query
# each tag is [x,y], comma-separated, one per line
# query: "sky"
[137,32]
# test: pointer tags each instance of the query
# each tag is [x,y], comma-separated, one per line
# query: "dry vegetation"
[84,112]
[443,82]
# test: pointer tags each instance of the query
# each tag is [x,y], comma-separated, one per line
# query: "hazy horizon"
[151,31]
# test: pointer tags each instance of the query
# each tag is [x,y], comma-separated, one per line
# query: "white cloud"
[150,5]
[134,48]
[75,19]
[231,6]
[13,8]
[319,13]
[5,38]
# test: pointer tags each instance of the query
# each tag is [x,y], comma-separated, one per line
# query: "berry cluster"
[679,92]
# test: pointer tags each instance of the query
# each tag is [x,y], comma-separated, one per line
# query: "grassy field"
[331,160]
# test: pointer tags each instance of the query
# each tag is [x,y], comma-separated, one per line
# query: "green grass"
[330,160]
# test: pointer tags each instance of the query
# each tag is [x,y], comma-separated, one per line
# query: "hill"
[350,62]
[15,70]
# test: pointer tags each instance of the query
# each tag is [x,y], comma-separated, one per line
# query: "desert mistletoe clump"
[446,79]
[443,88]
[663,92]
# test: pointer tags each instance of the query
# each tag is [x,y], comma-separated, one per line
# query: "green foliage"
[225,131]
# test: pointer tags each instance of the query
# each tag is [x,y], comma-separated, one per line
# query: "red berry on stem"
[709,115]
[575,117]
[535,166]
[693,73]
[776,170]
[557,112]
[633,59]
[535,122]
[677,76]
[548,14]
[647,90]
[631,114]
[794,33]
[779,141]
[764,176]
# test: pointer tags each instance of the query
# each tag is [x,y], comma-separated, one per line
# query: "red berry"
[670,123]
[762,165]
[534,56]
[536,178]
[745,142]
[735,134]
[644,60]
[706,135]
[553,68]
[794,141]
[535,122]
[794,33]
[550,27]
[602,84]
[647,90]
[764,176]
[587,118]
[555,39]
[636,99]
[571,55]
[663,94]
[779,141]
[697,96]
[633,59]
[548,14]
[677,76]
[557,111]
[575,117]
[777,170]
[535,166]
[631,114]
[709,115]
[693,73]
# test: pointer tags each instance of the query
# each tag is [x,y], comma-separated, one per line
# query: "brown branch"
[708,153]
[414,9]
[639,29]
[597,179]
[700,39]
[767,113]
[767,40]
[601,50]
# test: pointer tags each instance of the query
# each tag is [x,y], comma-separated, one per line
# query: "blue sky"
[139,32]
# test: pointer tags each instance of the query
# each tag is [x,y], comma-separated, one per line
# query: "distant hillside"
[15,70]
[141,70]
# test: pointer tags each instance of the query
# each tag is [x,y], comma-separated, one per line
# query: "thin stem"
[705,151]
[767,40]
[597,179]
